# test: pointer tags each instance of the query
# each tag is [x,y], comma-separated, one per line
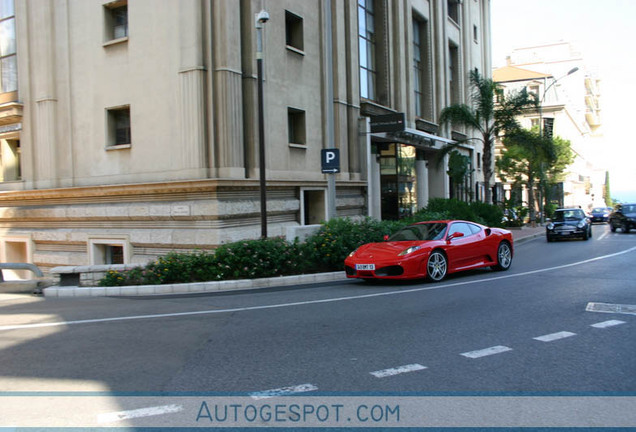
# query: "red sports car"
[432,249]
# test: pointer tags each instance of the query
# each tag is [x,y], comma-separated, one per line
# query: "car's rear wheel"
[612,227]
[504,256]
[625,227]
[436,266]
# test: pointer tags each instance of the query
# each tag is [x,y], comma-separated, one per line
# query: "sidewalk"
[520,235]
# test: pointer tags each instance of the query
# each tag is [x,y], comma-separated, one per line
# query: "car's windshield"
[428,231]
[629,209]
[563,215]
[598,210]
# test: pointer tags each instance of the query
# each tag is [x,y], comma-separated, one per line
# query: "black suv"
[568,223]
[623,217]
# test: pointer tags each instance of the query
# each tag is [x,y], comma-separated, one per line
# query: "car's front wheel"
[625,227]
[504,256]
[436,266]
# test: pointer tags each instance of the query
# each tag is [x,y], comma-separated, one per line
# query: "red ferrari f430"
[432,250]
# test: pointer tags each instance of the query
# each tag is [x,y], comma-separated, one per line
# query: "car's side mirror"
[455,235]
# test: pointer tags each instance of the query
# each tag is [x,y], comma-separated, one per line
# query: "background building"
[129,128]
[569,95]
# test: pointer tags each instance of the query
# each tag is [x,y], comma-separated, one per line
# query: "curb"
[193,288]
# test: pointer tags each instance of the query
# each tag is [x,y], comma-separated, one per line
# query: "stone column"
[228,92]
[421,170]
[44,93]
[192,88]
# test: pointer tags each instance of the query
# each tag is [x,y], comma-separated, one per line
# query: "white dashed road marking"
[486,352]
[605,324]
[283,391]
[138,413]
[398,370]
[554,336]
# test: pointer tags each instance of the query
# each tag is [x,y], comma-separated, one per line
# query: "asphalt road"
[526,330]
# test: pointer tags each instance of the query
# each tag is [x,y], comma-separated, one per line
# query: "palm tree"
[492,113]
[525,160]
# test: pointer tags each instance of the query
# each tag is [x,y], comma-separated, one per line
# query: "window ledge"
[118,147]
[115,41]
[298,146]
[295,50]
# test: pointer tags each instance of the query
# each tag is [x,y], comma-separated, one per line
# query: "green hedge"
[324,251]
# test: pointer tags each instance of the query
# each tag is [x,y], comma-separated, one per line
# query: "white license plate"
[365,266]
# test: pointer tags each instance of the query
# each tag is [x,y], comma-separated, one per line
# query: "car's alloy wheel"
[436,266]
[504,256]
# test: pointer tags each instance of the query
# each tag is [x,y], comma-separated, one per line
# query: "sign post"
[330,165]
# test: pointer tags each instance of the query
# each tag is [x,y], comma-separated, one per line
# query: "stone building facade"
[129,128]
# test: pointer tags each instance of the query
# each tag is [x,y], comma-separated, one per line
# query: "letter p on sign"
[330,161]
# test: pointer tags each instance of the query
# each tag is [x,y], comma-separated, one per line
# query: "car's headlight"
[550,226]
[353,253]
[409,250]
[581,224]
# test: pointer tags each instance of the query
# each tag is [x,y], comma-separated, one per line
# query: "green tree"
[555,172]
[526,158]
[492,113]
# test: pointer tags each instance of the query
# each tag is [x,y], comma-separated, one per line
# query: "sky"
[602,30]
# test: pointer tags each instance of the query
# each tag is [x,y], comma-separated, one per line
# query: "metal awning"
[414,137]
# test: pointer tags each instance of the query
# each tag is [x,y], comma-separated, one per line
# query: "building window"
[119,126]
[475,34]
[296,126]
[8,60]
[294,31]
[453,10]
[116,20]
[453,73]
[108,251]
[421,69]
[367,49]
[18,250]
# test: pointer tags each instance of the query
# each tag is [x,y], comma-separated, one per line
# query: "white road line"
[554,336]
[398,370]
[605,324]
[142,412]
[602,236]
[309,302]
[486,352]
[303,388]
[611,308]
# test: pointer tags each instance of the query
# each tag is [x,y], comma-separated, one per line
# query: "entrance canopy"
[414,137]
[391,128]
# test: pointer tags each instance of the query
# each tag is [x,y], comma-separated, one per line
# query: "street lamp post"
[260,19]
[545,92]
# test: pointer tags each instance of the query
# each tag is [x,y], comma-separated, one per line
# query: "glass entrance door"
[398,181]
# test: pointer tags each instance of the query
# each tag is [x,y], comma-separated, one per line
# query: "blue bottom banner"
[52,410]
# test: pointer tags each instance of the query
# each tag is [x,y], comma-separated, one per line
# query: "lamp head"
[262,17]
